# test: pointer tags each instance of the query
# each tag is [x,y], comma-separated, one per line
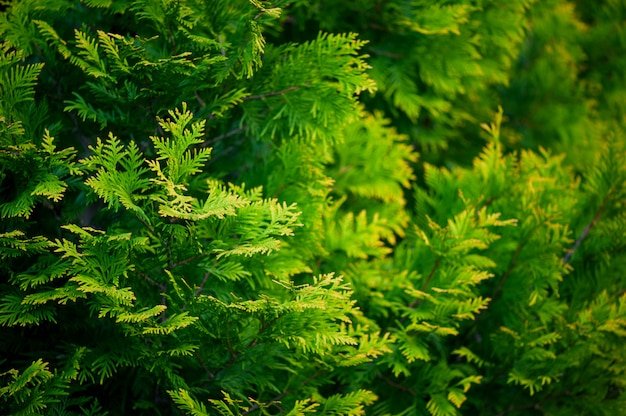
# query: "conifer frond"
[15,312]
[381,167]
[302,407]
[348,404]
[433,19]
[140,316]
[439,405]
[173,323]
[33,390]
[357,235]
[119,174]
[302,113]
[189,405]
[470,357]
[16,244]
[43,180]
[17,81]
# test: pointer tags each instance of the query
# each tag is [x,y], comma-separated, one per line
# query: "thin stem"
[426,282]
[242,128]
[189,260]
[203,364]
[496,292]
[536,405]
[270,94]
[507,272]
[39,52]
[264,326]
[164,303]
[431,274]
[161,286]
[257,406]
[387,53]
[516,408]
[222,137]
[172,40]
[150,228]
[204,279]
[148,279]
[588,228]
[229,346]
[200,101]
[396,385]
[279,190]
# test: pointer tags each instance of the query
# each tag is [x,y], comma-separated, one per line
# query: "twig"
[229,346]
[536,405]
[161,286]
[387,53]
[257,406]
[270,94]
[496,292]
[427,282]
[164,303]
[396,385]
[203,364]
[516,408]
[508,271]
[583,235]
[431,274]
[222,137]
[172,40]
[189,260]
[279,190]
[204,279]
[200,101]
[264,326]
[149,227]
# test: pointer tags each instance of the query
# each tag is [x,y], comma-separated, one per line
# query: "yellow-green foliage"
[241,207]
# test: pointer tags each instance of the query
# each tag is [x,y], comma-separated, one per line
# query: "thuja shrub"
[217,207]
[442,67]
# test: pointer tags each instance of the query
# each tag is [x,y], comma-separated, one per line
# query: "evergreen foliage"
[345,208]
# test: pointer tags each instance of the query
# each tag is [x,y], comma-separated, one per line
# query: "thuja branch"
[396,385]
[508,271]
[151,229]
[148,279]
[535,405]
[200,100]
[427,281]
[431,274]
[198,289]
[204,280]
[264,326]
[588,228]
[242,128]
[276,399]
[386,53]
[216,139]
[496,292]
[270,94]
[203,364]
[416,302]
[185,261]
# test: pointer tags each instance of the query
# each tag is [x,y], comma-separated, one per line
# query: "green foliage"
[217,207]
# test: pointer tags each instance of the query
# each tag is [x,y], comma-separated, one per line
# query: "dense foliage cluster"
[313,207]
